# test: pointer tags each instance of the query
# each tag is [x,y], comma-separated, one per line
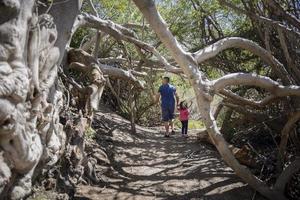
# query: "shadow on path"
[148,166]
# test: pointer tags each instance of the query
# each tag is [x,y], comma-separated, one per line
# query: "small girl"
[184,117]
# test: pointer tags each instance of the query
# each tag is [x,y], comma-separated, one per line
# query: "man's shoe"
[173,132]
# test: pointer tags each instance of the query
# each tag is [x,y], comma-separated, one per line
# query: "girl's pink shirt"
[183,114]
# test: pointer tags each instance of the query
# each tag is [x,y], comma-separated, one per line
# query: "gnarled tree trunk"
[30,102]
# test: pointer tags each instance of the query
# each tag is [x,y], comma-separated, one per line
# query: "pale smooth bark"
[242,43]
[248,102]
[255,80]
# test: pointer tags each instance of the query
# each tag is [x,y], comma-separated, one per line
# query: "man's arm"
[157,96]
[177,98]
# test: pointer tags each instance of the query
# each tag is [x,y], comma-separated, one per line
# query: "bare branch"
[288,58]
[285,134]
[94,11]
[135,26]
[243,101]
[249,113]
[98,34]
[112,60]
[281,12]
[262,19]
[81,60]
[121,33]
[236,42]
[255,80]
[286,175]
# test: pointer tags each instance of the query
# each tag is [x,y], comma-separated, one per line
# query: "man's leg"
[165,119]
[172,125]
[172,116]
[167,128]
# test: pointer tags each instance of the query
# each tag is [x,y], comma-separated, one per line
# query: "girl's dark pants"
[184,125]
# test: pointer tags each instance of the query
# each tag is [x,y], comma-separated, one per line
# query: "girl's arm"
[191,103]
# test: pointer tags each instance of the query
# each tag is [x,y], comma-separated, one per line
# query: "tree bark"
[30,131]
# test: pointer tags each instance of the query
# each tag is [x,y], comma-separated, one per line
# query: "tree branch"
[81,60]
[237,42]
[98,34]
[262,19]
[121,33]
[281,12]
[243,101]
[249,113]
[285,135]
[255,80]
[286,175]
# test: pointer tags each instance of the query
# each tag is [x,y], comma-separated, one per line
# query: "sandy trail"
[148,166]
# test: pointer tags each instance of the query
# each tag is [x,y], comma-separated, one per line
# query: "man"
[167,93]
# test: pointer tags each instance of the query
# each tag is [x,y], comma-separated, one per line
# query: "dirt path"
[149,166]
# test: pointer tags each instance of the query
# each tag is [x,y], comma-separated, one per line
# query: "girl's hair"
[182,105]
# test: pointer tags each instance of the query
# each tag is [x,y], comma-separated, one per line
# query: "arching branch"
[241,43]
[255,80]
[244,101]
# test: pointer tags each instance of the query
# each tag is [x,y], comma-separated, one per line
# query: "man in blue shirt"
[167,93]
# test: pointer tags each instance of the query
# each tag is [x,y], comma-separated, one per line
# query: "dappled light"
[145,166]
[149,99]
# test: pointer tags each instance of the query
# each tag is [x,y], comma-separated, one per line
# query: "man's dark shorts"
[167,113]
